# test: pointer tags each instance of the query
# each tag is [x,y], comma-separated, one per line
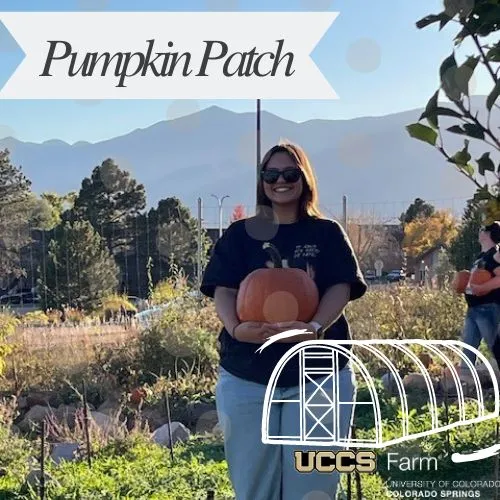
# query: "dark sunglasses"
[289,174]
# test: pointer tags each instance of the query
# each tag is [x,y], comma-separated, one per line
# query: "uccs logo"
[342,461]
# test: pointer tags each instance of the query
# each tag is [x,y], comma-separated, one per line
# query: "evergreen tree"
[15,212]
[110,199]
[465,246]
[79,269]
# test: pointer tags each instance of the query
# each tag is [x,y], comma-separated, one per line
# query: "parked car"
[17,299]
[396,275]
[370,275]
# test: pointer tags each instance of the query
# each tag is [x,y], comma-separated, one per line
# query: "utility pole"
[344,212]
[199,256]
[258,151]
[219,203]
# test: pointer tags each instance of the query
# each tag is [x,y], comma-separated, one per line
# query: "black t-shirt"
[318,244]
[485,260]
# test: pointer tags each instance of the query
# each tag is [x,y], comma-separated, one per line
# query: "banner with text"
[167,55]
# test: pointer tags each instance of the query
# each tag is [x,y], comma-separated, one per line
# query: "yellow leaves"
[492,210]
[425,233]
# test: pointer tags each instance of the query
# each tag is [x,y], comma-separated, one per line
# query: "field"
[125,375]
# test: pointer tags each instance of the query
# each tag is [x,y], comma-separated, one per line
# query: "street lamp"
[219,202]
[258,149]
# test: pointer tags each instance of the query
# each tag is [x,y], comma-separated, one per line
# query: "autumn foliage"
[238,213]
[424,233]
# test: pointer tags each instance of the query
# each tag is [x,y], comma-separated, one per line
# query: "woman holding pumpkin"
[483,299]
[289,228]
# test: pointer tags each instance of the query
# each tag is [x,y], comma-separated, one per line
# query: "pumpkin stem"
[274,254]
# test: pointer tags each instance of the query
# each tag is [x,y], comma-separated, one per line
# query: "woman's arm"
[491,284]
[225,305]
[249,331]
[332,305]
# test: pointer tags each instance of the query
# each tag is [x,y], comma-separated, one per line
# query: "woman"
[483,300]
[289,218]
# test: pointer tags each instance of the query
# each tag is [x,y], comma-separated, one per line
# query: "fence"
[143,250]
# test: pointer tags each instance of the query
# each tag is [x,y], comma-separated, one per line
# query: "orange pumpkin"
[277,294]
[460,281]
[480,276]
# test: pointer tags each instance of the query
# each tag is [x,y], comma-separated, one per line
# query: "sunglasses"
[289,174]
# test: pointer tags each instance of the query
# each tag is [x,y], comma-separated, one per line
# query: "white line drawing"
[491,451]
[331,350]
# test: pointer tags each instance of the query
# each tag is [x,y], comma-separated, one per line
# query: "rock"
[154,417]
[110,407]
[102,420]
[180,433]
[33,479]
[66,414]
[415,381]
[195,410]
[449,386]
[217,430]
[33,418]
[43,398]
[64,451]
[207,422]
[22,403]
[107,424]
[484,374]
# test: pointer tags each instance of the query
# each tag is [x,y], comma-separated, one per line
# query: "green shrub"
[407,312]
[35,318]
[143,470]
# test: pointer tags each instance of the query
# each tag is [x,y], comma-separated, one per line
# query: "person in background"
[289,218]
[483,300]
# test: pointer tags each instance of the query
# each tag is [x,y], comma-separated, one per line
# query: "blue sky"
[377,61]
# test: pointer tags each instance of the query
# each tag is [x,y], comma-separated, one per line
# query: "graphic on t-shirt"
[301,255]
[305,251]
[320,407]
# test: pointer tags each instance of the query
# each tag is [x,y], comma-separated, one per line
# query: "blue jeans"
[267,471]
[482,322]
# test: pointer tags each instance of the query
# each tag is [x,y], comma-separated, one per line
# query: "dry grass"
[42,357]
[48,337]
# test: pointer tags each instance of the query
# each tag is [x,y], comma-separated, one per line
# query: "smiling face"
[287,187]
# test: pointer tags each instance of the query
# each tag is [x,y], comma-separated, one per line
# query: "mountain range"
[371,160]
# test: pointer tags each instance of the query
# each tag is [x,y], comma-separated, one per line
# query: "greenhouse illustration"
[318,410]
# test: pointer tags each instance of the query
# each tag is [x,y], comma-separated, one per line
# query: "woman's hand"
[296,325]
[254,332]
[480,290]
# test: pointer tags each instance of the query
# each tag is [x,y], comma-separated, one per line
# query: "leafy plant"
[478,21]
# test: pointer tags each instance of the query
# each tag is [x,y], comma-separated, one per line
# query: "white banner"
[167,55]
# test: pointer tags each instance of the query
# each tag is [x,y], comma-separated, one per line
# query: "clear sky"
[375,58]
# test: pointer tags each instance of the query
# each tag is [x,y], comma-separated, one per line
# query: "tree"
[15,211]
[425,233]
[79,270]
[465,247]
[166,235]
[373,240]
[238,213]
[177,235]
[109,199]
[444,268]
[419,208]
[59,204]
[477,20]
